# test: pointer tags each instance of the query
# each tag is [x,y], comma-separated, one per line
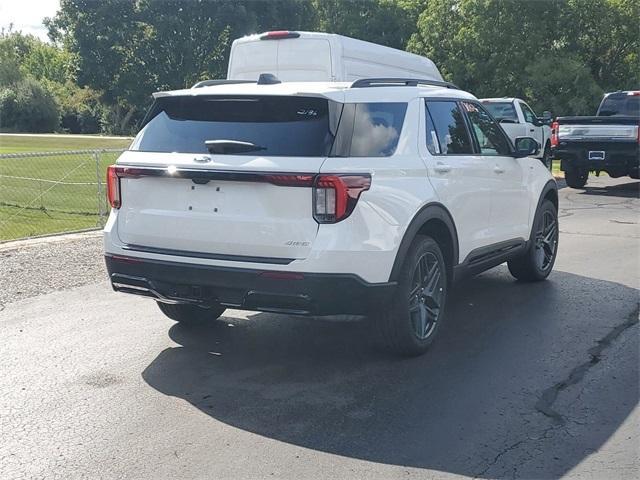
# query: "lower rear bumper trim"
[312,294]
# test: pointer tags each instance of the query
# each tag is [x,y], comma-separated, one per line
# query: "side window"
[376,129]
[529,116]
[446,130]
[490,137]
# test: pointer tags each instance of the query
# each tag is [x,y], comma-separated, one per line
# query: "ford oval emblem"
[202,159]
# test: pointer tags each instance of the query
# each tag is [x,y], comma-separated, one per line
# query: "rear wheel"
[410,324]
[576,178]
[537,262]
[191,315]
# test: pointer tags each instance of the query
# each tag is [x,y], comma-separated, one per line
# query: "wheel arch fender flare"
[431,211]
[550,186]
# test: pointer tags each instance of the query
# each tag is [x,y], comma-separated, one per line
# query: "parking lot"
[527,380]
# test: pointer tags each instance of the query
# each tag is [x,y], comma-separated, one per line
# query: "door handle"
[498,169]
[442,167]
[532,129]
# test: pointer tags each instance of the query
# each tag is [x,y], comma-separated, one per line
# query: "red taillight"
[554,134]
[335,196]
[113,187]
[279,35]
[290,180]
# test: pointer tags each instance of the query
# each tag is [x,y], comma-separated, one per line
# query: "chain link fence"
[53,192]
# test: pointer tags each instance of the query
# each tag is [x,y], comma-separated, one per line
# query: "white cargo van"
[322,57]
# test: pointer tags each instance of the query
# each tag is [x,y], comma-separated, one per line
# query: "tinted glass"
[448,127]
[502,110]
[376,129]
[490,137]
[280,126]
[620,104]
[529,116]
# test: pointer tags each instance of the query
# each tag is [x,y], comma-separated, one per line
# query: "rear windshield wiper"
[231,146]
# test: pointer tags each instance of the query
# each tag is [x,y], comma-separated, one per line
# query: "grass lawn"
[55,193]
[49,143]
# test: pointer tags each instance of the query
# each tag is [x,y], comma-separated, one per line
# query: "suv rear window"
[278,125]
[620,104]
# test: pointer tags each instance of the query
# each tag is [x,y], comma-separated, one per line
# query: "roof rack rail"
[208,83]
[400,82]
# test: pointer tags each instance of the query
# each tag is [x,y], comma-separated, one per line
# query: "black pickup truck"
[608,142]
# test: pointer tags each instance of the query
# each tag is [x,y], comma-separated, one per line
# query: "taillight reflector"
[279,35]
[335,196]
[283,275]
[113,187]
[555,137]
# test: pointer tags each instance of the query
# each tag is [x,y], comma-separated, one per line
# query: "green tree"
[128,50]
[571,50]
[25,106]
[563,85]
[387,22]
[605,36]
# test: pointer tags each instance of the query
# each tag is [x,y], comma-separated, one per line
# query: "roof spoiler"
[264,79]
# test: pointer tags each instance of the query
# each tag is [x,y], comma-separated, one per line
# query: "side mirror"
[526,146]
[546,115]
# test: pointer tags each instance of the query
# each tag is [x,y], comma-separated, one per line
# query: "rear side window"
[276,125]
[376,128]
[446,129]
[488,133]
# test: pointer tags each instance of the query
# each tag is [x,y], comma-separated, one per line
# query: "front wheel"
[191,315]
[410,324]
[576,178]
[546,158]
[537,262]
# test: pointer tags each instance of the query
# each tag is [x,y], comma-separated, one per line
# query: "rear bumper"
[621,158]
[260,290]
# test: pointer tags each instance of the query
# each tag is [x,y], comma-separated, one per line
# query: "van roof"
[317,56]
[338,91]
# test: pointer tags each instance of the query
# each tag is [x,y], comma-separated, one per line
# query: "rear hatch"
[226,177]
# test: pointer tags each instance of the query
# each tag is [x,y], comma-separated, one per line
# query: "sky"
[27,15]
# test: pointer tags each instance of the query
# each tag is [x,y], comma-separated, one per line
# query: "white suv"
[322,198]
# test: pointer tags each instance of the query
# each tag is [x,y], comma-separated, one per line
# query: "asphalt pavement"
[526,381]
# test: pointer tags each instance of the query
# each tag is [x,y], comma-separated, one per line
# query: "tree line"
[106,57]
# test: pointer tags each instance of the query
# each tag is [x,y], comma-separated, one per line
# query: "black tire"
[576,178]
[419,302]
[191,315]
[547,161]
[537,262]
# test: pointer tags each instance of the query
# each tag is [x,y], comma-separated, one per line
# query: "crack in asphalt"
[545,404]
[549,396]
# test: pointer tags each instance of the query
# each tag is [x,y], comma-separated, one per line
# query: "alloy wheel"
[426,295]
[546,241]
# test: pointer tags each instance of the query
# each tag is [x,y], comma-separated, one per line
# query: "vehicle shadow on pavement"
[461,408]
[623,190]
